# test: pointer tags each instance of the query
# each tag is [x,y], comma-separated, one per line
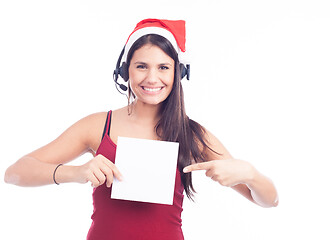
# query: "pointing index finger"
[197,166]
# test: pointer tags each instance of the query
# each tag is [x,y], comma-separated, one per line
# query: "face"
[151,74]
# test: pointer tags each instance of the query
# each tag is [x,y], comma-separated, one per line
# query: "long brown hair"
[174,124]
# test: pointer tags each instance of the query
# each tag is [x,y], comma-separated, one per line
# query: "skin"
[151,74]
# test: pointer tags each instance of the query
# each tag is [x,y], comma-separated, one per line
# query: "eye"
[141,66]
[164,67]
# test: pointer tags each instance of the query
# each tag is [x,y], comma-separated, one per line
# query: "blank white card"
[148,168]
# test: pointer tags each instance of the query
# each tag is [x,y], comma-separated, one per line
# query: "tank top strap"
[107,125]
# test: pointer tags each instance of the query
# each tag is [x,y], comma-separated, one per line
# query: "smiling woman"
[151,66]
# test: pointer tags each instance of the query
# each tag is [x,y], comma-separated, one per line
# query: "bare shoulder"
[91,127]
[90,123]
[93,119]
[216,145]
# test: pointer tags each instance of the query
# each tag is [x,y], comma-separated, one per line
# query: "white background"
[259,82]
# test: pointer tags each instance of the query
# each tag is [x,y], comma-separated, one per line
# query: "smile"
[152,89]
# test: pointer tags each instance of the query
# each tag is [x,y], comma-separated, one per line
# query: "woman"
[156,111]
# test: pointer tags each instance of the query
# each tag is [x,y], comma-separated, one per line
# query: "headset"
[123,72]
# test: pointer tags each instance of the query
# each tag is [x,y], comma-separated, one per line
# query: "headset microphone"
[115,78]
[122,87]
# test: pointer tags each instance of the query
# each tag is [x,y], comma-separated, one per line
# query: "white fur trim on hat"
[150,30]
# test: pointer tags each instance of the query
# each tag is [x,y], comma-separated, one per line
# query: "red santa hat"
[172,30]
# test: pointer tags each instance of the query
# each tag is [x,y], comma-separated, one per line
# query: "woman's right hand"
[98,171]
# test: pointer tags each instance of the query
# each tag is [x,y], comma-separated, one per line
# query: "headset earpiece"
[185,71]
[123,71]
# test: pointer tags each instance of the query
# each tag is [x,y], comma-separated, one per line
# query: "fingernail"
[185,170]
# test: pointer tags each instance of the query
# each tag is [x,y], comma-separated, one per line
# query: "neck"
[146,113]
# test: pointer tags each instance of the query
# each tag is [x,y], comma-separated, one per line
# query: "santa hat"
[172,30]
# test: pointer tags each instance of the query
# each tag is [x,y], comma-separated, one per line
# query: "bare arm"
[237,174]
[31,172]
[37,168]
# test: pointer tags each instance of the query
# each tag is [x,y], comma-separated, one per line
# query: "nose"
[152,76]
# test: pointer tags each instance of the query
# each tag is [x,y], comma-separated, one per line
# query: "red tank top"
[115,219]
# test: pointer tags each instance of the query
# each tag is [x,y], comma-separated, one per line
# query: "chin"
[153,102]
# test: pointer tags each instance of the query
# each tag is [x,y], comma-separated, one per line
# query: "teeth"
[152,89]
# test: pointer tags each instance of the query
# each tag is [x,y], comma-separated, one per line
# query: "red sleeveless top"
[115,219]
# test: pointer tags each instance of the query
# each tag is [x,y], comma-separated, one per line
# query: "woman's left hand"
[228,172]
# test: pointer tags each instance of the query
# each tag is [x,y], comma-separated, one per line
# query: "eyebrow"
[161,64]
